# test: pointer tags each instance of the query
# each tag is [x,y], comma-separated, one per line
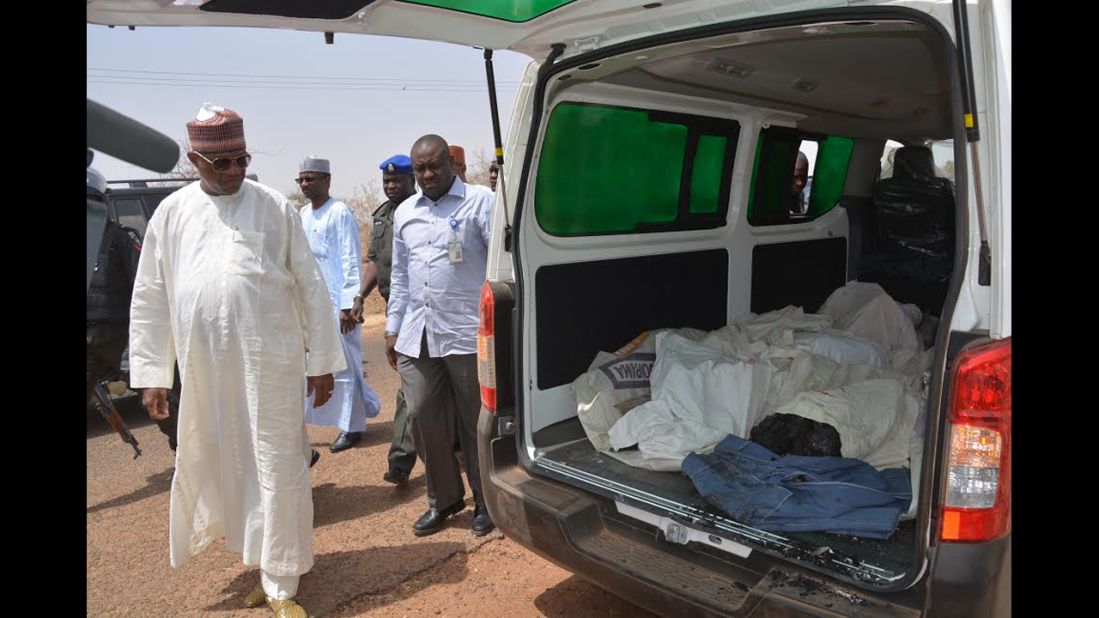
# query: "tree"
[363,202]
[184,169]
[477,171]
[297,198]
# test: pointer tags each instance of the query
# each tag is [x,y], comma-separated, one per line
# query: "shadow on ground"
[576,597]
[155,484]
[333,504]
[375,574]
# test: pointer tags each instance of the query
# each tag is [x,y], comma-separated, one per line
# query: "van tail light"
[977,501]
[486,347]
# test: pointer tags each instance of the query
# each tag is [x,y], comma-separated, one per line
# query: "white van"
[647,186]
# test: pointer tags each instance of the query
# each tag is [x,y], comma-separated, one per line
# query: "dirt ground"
[368,562]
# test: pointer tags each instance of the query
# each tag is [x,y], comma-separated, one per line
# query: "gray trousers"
[402,452]
[429,384]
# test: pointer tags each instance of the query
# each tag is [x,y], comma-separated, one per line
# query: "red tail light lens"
[977,504]
[486,348]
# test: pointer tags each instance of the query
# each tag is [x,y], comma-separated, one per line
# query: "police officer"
[398,184]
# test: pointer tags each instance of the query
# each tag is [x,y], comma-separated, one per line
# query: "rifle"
[106,408]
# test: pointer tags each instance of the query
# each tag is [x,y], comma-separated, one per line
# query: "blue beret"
[397,164]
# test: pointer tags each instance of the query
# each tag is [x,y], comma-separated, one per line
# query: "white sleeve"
[152,349]
[323,349]
[350,258]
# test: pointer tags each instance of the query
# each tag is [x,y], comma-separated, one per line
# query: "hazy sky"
[356,102]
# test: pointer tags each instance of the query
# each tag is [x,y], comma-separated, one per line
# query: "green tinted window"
[606,170]
[771,178]
[774,198]
[830,174]
[507,10]
[706,177]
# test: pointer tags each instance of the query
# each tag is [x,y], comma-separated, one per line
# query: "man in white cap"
[227,284]
[333,235]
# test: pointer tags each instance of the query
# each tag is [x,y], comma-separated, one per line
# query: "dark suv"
[131,203]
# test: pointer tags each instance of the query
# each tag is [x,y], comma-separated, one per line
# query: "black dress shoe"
[432,521]
[396,476]
[482,523]
[346,441]
[313,459]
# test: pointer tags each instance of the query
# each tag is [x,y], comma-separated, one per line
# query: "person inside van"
[799,200]
[493,175]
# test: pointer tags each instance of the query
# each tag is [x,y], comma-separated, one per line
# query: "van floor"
[869,560]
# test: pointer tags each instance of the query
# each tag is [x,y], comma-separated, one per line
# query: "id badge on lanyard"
[454,247]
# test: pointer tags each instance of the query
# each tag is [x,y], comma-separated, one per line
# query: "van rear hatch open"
[530,28]
[618,251]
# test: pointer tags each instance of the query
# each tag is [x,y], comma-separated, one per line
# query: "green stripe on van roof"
[508,10]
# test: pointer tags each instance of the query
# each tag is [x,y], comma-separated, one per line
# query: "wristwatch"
[356,298]
[390,333]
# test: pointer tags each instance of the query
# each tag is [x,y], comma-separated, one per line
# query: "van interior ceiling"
[865,80]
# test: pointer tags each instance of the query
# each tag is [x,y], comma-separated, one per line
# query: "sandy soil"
[368,562]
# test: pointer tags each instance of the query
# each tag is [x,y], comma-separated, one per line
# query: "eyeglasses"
[222,164]
[305,179]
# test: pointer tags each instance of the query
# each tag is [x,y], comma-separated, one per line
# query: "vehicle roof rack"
[144,182]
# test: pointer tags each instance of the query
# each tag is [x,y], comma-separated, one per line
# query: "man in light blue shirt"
[440,250]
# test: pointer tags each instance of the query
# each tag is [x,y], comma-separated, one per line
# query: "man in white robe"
[227,285]
[333,235]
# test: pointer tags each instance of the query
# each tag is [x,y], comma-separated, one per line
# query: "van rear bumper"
[583,533]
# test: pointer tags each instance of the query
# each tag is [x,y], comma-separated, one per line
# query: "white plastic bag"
[843,347]
[614,378]
[875,419]
[698,397]
[866,310]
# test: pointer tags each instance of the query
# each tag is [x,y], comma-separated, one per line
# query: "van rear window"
[617,170]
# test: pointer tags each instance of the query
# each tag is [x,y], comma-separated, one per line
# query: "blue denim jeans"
[800,494]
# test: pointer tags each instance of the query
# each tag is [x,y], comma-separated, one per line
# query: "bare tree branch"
[477,170]
[297,198]
[364,200]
